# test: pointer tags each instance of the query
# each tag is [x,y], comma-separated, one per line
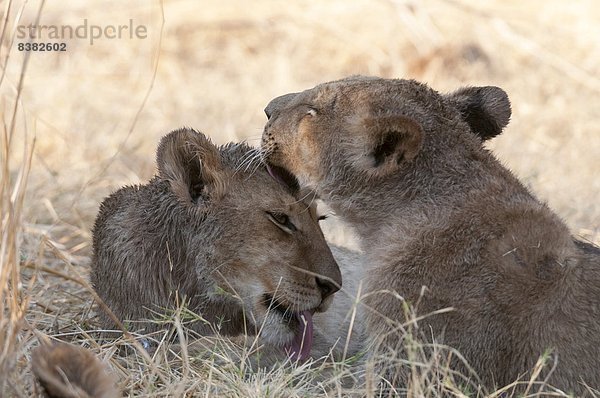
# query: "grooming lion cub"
[406,167]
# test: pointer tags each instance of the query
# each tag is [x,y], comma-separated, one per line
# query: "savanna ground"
[77,125]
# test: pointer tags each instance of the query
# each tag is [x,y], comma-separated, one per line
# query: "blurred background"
[87,120]
[97,111]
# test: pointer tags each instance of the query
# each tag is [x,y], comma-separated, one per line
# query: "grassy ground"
[78,124]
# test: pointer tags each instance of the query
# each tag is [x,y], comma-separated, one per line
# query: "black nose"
[268,112]
[326,287]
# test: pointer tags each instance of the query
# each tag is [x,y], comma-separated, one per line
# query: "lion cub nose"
[326,287]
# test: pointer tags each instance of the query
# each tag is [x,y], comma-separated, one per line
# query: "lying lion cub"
[241,249]
[406,167]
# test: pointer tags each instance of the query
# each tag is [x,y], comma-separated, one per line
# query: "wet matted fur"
[215,231]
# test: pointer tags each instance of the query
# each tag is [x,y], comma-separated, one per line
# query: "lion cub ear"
[485,109]
[192,164]
[383,144]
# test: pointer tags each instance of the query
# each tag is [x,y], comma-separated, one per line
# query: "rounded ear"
[192,164]
[277,103]
[385,143]
[66,370]
[485,109]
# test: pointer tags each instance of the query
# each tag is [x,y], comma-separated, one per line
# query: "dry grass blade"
[13,303]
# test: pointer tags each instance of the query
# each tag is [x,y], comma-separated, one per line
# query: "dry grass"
[97,112]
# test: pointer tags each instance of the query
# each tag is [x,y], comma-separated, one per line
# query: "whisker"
[308,192]
[245,159]
[255,155]
[320,276]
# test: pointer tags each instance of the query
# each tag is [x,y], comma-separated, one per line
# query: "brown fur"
[67,371]
[205,230]
[406,167]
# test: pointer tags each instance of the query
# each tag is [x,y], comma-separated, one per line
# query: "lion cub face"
[260,241]
[369,127]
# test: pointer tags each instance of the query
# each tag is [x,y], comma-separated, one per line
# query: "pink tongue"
[270,170]
[275,176]
[299,348]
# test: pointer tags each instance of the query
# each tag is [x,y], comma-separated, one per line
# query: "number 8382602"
[42,47]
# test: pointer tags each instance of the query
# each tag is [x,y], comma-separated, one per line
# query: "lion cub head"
[371,127]
[213,226]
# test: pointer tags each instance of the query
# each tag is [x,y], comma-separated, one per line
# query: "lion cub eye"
[282,221]
[311,112]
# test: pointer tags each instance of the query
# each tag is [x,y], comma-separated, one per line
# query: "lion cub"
[433,208]
[217,232]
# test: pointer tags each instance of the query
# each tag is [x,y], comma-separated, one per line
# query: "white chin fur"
[275,331]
